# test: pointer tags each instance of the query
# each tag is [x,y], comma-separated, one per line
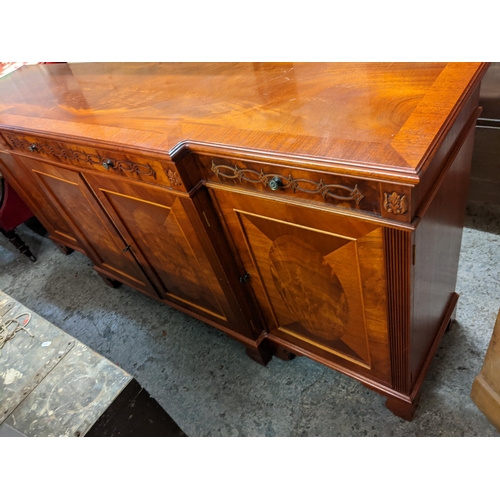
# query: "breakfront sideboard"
[303,209]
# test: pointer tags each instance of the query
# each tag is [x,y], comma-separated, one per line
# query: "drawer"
[123,164]
[364,195]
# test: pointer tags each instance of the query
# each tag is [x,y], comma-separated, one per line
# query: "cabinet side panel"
[464,120]
[437,240]
[398,262]
[485,174]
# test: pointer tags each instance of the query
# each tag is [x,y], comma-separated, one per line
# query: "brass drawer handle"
[107,164]
[33,147]
[275,183]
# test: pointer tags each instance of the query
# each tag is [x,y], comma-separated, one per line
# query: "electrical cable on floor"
[10,327]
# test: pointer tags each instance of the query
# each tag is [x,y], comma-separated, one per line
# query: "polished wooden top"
[385,115]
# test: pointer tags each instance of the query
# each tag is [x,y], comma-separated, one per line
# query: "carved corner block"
[395,203]
[173,177]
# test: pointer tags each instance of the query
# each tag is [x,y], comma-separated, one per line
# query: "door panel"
[318,277]
[26,187]
[68,191]
[168,247]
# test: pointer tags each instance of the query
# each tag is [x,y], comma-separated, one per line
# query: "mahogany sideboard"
[304,209]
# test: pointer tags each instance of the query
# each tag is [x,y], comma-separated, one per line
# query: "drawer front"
[137,167]
[286,182]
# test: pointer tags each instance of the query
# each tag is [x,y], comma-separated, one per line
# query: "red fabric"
[13,210]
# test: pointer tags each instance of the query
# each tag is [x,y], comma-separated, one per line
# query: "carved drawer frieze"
[291,182]
[143,169]
[277,181]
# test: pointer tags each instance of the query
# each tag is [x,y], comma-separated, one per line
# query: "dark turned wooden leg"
[402,409]
[261,354]
[110,282]
[36,226]
[64,249]
[15,239]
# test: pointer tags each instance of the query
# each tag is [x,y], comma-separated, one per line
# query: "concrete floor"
[205,381]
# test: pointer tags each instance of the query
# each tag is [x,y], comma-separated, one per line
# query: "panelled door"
[319,277]
[21,180]
[71,195]
[157,224]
